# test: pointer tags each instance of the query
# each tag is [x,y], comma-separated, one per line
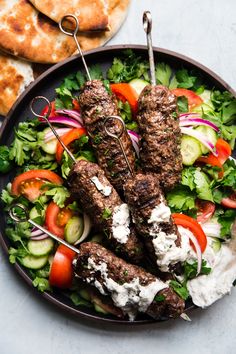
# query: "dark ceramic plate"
[45,85]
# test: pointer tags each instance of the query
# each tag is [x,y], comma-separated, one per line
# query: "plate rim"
[20,270]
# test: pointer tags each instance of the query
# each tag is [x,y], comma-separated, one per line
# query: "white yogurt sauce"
[164,244]
[129,297]
[206,289]
[105,190]
[161,213]
[99,286]
[168,253]
[120,223]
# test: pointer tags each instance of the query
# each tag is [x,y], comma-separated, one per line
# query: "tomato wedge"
[229,202]
[64,216]
[61,272]
[45,110]
[193,99]
[68,138]
[213,161]
[126,93]
[205,210]
[224,150]
[75,104]
[30,182]
[56,219]
[193,226]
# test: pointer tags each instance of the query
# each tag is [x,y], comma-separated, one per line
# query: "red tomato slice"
[31,189]
[64,216]
[205,210]
[75,104]
[30,182]
[68,138]
[224,150]
[45,110]
[213,161]
[51,220]
[193,226]
[193,99]
[229,202]
[126,93]
[61,272]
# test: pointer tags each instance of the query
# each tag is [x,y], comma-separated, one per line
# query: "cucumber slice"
[216,245]
[138,85]
[210,134]
[85,294]
[41,247]
[37,216]
[100,310]
[74,229]
[50,146]
[33,262]
[190,150]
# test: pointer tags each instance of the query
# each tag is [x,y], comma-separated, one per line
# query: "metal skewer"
[74,35]
[45,117]
[117,137]
[147,26]
[25,217]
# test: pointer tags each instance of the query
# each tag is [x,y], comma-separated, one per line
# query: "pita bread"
[92,14]
[117,10]
[15,75]
[32,36]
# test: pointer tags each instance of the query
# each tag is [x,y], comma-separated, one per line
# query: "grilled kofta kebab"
[131,288]
[158,123]
[153,222]
[159,128]
[96,104]
[99,199]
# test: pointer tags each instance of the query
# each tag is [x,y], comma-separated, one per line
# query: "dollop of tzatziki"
[206,289]
[120,223]
[105,190]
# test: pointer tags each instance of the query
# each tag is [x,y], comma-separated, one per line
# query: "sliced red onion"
[40,237]
[201,137]
[71,113]
[87,228]
[197,121]
[66,121]
[135,140]
[60,131]
[135,135]
[36,232]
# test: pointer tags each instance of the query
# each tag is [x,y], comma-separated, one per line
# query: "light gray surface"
[205,31]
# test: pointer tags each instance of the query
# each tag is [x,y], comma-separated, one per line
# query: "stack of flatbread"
[29,33]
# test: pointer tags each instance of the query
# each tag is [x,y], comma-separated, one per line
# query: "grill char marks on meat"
[95,104]
[160,132]
[101,208]
[101,268]
[143,194]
